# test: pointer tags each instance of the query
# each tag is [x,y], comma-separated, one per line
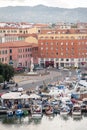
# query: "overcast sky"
[54,3]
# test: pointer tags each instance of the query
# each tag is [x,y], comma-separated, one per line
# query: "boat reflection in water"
[77,118]
[21,120]
[46,122]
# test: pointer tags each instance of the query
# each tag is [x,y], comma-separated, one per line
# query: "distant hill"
[42,14]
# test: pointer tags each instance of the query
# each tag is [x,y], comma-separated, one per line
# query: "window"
[57,59]
[61,59]
[61,43]
[67,49]
[46,48]
[61,54]
[71,43]
[5,58]
[51,43]
[2,59]
[3,52]
[26,50]
[51,48]
[66,43]
[10,50]
[10,58]
[67,59]
[39,31]
[41,48]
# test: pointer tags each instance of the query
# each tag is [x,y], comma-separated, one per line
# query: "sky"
[52,3]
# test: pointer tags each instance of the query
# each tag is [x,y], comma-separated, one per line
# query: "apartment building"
[18,53]
[62,49]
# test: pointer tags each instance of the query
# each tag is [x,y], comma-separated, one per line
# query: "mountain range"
[42,14]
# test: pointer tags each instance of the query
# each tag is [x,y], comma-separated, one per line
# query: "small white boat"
[84,105]
[36,111]
[49,110]
[3,110]
[9,113]
[65,110]
[76,110]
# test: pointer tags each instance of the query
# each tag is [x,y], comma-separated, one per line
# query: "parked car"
[19,69]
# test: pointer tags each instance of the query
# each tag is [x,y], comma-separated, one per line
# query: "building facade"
[18,53]
[62,49]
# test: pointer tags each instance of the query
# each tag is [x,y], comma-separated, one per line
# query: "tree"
[8,72]
[1,79]
[1,69]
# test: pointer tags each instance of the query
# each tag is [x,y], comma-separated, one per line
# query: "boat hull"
[37,115]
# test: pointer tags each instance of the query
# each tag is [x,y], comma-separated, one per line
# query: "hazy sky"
[55,3]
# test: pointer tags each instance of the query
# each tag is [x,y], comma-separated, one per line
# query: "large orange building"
[62,48]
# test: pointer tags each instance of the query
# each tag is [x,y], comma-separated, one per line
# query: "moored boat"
[25,112]
[49,110]
[19,112]
[84,105]
[65,110]
[9,113]
[76,110]
[3,110]
[36,111]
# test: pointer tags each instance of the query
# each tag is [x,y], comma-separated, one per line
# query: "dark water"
[53,122]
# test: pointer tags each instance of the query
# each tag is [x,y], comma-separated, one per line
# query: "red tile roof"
[15,44]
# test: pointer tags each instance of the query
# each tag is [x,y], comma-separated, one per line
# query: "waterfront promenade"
[30,82]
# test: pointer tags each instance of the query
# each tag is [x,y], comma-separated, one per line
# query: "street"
[55,75]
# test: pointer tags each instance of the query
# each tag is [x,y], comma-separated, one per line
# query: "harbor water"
[51,122]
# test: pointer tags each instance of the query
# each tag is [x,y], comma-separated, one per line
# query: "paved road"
[29,82]
[54,76]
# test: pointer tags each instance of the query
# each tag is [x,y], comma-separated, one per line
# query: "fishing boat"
[49,110]
[76,110]
[25,112]
[36,111]
[65,110]
[9,113]
[19,112]
[3,110]
[84,105]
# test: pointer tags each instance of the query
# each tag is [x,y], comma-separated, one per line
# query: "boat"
[3,110]
[36,111]
[19,112]
[65,110]
[76,110]
[56,109]
[9,113]
[25,112]
[49,110]
[84,105]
